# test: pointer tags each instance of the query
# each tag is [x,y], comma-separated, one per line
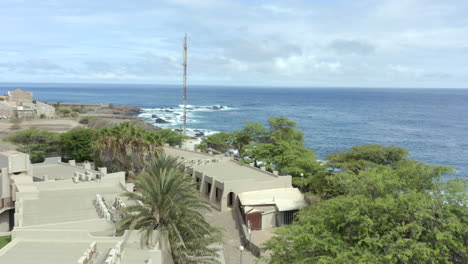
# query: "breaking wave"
[172,117]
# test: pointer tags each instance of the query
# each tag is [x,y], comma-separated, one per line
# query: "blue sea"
[431,123]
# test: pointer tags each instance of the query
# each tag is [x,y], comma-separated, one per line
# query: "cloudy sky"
[315,43]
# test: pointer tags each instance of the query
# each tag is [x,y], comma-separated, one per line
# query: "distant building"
[20,104]
[20,96]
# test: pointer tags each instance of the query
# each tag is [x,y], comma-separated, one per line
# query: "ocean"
[431,123]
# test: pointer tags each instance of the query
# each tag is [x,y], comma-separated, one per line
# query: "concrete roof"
[285,199]
[50,252]
[55,170]
[225,170]
[66,205]
[229,170]
[186,154]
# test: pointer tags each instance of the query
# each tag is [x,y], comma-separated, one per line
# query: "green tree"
[350,168]
[169,136]
[64,111]
[220,141]
[412,227]
[282,129]
[380,208]
[280,148]
[126,148]
[363,157]
[39,144]
[168,210]
[252,132]
[78,144]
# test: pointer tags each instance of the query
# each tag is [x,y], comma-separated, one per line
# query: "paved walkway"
[231,239]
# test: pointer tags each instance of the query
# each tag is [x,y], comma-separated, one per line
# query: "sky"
[311,43]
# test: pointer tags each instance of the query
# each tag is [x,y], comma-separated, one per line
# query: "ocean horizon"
[430,122]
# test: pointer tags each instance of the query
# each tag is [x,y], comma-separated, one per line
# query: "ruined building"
[20,104]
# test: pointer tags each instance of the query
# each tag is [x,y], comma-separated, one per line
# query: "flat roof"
[50,252]
[224,170]
[69,205]
[187,154]
[285,199]
[229,170]
[56,170]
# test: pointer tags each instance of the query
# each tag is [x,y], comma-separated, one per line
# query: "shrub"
[38,143]
[77,144]
[63,111]
[86,119]
[43,116]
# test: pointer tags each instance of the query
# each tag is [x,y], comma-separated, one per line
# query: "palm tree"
[168,202]
[126,147]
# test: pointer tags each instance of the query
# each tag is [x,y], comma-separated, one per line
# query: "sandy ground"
[54,125]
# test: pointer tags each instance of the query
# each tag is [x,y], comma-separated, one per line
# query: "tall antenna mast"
[185,85]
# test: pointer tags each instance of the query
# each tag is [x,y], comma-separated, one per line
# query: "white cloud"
[300,65]
[358,42]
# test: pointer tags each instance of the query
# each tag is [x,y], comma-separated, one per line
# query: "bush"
[85,119]
[63,111]
[168,136]
[74,114]
[43,116]
[203,147]
[77,144]
[79,109]
[38,143]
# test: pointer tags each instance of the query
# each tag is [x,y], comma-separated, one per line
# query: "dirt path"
[231,239]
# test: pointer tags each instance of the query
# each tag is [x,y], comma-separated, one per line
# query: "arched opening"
[230,199]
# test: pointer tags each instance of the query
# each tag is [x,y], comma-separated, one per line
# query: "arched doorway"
[230,199]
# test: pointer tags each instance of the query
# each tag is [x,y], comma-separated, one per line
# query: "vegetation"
[278,146]
[4,240]
[78,144]
[168,136]
[378,206]
[168,204]
[219,141]
[86,119]
[126,147]
[39,144]
[79,109]
[63,111]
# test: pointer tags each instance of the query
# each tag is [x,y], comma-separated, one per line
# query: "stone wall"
[6,111]
[47,110]
[21,96]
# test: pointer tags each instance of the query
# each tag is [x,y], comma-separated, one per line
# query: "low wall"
[58,235]
[245,235]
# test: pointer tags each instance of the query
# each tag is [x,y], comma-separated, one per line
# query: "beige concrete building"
[63,213]
[19,103]
[270,208]
[223,180]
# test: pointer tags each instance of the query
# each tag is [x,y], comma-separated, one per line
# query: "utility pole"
[185,86]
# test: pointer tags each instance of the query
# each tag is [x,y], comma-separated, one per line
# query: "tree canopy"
[78,144]
[378,206]
[278,145]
